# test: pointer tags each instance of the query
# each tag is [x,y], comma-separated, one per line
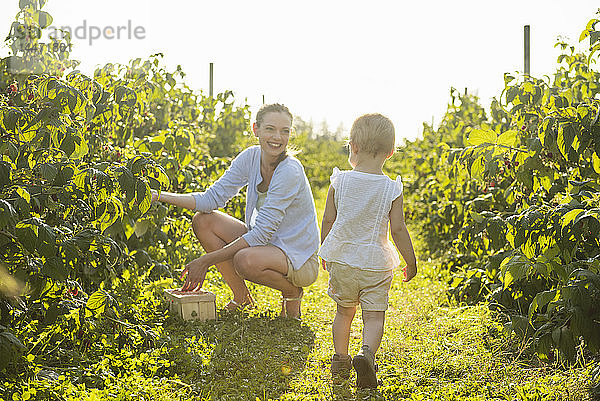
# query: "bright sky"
[332,60]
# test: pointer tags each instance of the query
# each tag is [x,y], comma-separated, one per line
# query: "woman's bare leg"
[267,265]
[215,230]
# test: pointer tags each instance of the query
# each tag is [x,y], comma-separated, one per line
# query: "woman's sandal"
[234,306]
[284,302]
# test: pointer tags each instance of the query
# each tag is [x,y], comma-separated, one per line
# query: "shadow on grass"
[347,391]
[240,356]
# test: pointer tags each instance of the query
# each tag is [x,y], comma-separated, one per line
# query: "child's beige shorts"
[306,274]
[349,286]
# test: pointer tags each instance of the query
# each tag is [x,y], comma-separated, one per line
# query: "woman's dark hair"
[274,108]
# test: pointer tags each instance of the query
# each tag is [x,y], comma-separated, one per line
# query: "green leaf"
[571,215]
[540,300]
[113,210]
[481,136]
[8,215]
[81,148]
[127,183]
[103,114]
[560,270]
[591,24]
[594,37]
[508,138]
[520,325]
[68,145]
[528,87]
[545,132]
[43,19]
[567,344]
[556,336]
[125,97]
[496,229]
[10,348]
[46,241]
[596,162]
[24,3]
[128,226]
[513,269]
[5,176]
[477,168]
[589,214]
[96,304]
[511,94]
[90,111]
[566,135]
[70,253]
[81,179]
[143,197]
[27,126]
[546,182]
[27,233]
[141,227]
[55,268]
[169,143]
[136,164]
[544,347]
[48,171]
[476,216]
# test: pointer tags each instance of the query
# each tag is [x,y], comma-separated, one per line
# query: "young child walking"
[361,204]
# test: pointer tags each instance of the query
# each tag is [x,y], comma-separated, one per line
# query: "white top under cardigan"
[359,235]
[287,219]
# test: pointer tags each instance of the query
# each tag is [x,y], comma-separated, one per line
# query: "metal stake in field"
[210,81]
[527,68]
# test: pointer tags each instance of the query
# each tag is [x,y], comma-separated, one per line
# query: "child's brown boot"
[340,367]
[364,364]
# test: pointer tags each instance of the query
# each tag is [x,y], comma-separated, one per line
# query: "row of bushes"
[509,199]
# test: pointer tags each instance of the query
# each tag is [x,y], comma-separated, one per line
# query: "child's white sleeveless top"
[359,236]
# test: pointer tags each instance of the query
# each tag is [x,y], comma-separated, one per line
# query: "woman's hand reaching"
[196,272]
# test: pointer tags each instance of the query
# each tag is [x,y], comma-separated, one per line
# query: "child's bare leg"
[341,329]
[373,322]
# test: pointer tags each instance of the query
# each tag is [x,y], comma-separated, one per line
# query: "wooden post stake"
[210,81]
[527,59]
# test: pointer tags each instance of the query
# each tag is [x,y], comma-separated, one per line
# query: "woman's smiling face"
[273,133]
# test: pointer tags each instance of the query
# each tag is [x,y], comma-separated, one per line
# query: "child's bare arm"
[401,238]
[329,214]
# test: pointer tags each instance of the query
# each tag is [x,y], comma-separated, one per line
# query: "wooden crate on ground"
[190,305]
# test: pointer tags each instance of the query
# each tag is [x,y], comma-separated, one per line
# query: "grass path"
[431,350]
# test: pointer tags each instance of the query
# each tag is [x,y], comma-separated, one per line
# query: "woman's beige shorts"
[349,286]
[306,274]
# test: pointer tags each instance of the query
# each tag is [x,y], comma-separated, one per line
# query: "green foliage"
[512,202]
[78,158]
[318,154]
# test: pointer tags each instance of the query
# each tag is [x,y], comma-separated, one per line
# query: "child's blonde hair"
[374,134]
